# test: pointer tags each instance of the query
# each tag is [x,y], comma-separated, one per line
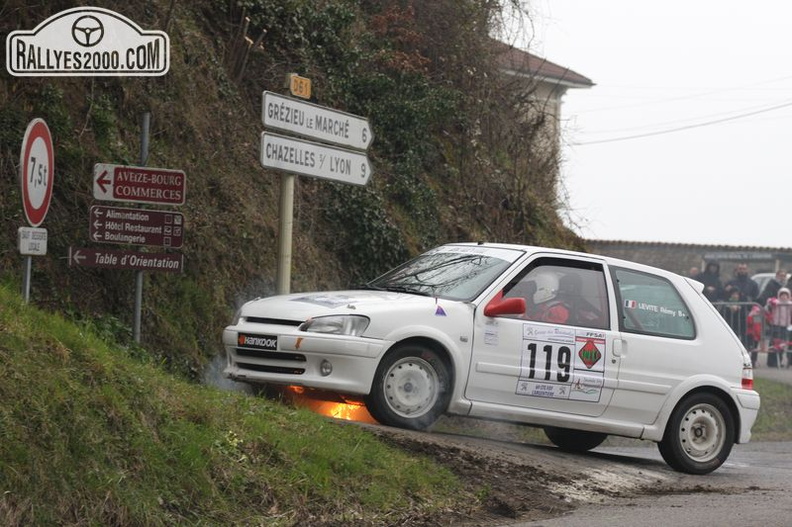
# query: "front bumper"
[298,356]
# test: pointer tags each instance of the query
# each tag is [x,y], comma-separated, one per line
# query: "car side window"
[651,305]
[565,292]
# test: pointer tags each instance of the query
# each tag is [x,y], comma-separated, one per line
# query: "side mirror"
[509,306]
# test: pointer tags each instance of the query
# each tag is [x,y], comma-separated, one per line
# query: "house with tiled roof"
[547,80]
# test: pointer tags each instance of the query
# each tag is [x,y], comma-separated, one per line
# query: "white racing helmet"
[546,287]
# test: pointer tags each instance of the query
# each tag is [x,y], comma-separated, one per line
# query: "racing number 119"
[563,361]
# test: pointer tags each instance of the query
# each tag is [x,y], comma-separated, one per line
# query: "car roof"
[531,249]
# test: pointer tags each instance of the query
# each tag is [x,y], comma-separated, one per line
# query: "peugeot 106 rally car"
[581,345]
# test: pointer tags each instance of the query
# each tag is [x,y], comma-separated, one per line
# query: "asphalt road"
[753,488]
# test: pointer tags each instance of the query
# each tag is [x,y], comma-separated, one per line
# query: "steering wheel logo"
[87,31]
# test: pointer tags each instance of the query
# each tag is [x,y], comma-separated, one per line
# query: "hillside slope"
[452,160]
[91,436]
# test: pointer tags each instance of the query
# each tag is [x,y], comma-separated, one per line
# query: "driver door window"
[562,292]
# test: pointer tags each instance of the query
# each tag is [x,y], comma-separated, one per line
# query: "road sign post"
[343,159]
[129,226]
[37,178]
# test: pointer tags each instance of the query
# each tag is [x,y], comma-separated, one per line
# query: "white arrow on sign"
[307,158]
[76,256]
[316,122]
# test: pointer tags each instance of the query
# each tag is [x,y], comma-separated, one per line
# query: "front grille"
[274,321]
[276,355]
[271,369]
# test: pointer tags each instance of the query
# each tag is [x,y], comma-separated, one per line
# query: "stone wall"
[679,258]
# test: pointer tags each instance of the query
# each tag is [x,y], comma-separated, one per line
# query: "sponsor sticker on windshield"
[507,255]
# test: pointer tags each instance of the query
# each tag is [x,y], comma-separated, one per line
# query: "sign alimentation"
[136,226]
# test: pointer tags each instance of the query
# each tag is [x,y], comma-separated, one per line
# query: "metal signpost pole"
[144,136]
[26,278]
[36,178]
[285,234]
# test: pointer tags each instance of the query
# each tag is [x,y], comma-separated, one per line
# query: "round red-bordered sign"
[36,171]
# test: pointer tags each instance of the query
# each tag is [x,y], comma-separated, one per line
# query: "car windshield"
[452,272]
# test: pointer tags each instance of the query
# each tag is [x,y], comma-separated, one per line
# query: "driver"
[547,307]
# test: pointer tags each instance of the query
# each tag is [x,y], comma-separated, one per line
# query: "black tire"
[411,388]
[574,440]
[699,436]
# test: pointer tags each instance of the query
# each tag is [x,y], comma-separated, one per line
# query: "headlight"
[237,316]
[353,325]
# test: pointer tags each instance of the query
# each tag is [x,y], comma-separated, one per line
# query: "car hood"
[301,306]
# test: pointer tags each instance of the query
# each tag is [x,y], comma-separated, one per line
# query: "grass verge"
[775,415]
[91,436]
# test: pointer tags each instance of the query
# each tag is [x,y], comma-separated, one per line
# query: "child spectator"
[753,331]
[779,312]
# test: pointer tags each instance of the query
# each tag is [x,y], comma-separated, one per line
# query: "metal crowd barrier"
[749,322]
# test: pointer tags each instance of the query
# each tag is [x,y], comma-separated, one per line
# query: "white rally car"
[581,345]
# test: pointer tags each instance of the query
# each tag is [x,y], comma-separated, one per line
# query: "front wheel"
[699,436]
[574,440]
[411,388]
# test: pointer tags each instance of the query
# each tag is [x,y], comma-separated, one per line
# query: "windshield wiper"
[408,290]
[397,289]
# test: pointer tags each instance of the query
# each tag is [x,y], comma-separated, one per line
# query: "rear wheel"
[574,440]
[411,388]
[699,436]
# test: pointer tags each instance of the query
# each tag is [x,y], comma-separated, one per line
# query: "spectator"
[744,283]
[693,273]
[779,310]
[710,277]
[771,289]
[753,330]
[735,311]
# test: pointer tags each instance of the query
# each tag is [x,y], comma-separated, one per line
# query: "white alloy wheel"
[411,387]
[702,432]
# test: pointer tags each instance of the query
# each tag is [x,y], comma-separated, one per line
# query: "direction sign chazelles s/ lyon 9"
[159,186]
[313,159]
[87,41]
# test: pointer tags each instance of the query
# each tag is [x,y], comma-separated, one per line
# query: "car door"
[658,345]
[557,354]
